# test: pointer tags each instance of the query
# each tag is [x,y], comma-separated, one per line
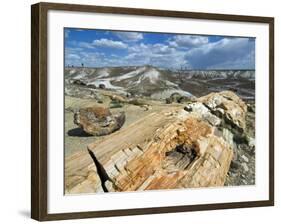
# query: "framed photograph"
[139,111]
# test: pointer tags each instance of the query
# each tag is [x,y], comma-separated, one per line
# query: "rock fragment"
[98,121]
[245,167]
[245,158]
[228,106]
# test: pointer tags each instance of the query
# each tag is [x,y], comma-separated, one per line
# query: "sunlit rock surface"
[192,146]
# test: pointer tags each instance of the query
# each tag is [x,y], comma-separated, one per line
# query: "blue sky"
[102,48]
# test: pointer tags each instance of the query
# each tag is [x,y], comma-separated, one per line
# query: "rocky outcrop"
[178,98]
[228,106]
[172,149]
[98,121]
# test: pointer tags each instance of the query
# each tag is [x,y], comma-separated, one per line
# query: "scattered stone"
[244,182]
[115,104]
[78,82]
[169,101]
[251,142]
[146,107]
[245,158]
[102,86]
[234,165]
[117,98]
[178,98]
[175,97]
[92,86]
[245,167]
[247,148]
[251,108]
[98,121]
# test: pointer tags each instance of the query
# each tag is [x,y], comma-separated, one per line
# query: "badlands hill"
[159,83]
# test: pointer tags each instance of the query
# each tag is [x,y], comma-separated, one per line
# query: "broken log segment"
[81,174]
[171,149]
[134,158]
[144,167]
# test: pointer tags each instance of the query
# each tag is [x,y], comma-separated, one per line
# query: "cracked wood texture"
[135,158]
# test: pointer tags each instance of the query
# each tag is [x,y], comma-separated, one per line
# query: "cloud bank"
[95,48]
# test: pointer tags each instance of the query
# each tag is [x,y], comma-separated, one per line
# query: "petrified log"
[80,168]
[144,166]
[141,163]
[227,105]
[175,148]
[81,174]
[98,121]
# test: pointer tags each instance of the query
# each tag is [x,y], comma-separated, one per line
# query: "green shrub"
[115,105]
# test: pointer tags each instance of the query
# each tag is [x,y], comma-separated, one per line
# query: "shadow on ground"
[78,132]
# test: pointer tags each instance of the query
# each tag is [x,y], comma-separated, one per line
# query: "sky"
[104,48]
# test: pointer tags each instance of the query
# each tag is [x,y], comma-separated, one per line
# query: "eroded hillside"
[159,83]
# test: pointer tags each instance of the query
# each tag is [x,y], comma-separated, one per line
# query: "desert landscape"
[134,128]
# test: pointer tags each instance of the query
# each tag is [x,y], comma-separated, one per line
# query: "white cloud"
[156,54]
[73,56]
[152,48]
[197,52]
[129,36]
[187,41]
[163,49]
[227,53]
[109,43]
[86,45]
[73,49]
[90,59]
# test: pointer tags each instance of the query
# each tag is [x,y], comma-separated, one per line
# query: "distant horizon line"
[218,69]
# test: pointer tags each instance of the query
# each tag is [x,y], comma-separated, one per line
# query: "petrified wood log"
[98,121]
[143,166]
[175,148]
[81,174]
[81,165]
[227,105]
